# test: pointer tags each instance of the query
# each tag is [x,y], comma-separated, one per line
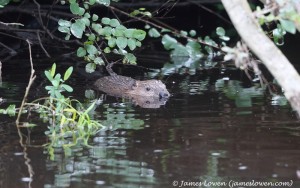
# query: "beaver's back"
[115,83]
[122,85]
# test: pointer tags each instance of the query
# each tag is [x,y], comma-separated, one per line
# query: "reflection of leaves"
[242,96]
[279,100]
[194,88]
[10,110]
[118,119]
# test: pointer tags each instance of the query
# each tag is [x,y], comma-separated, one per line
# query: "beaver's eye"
[148,88]
[147,102]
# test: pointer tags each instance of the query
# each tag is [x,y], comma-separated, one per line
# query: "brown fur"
[122,85]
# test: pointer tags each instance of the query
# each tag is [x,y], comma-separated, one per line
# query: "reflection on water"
[105,164]
[210,130]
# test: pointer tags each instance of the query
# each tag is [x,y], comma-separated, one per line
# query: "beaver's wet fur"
[118,85]
[122,85]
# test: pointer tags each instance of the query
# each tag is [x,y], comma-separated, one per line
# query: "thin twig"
[27,159]
[211,11]
[31,79]
[161,27]
[11,51]
[39,12]
[168,9]
[7,24]
[41,44]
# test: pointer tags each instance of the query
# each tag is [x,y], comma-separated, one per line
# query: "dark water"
[212,130]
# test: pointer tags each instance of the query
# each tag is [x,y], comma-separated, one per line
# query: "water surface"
[211,130]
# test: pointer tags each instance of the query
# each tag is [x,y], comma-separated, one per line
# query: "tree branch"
[279,66]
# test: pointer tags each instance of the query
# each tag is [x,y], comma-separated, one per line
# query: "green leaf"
[278,35]
[194,49]
[112,42]
[57,77]
[107,50]
[53,69]
[91,49]
[68,73]
[67,87]
[65,23]
[103,2]
[98,61]
[270,18]
[153,33]
[105,20]
[49,88]
[192,33]
[118,32]
[92,37]
[64,29]
[76,9]
[138,43]
[169,42]
[129,58]
[86,5]
[96,27]
[134,13]
[114,23]
[288,25]
[106,31]
[89,94]
[4,2]
[55,83]
[129,33]
[48,75]
[139,34]
[220,31]
[87,15]
[121,42]
[131,44]
[92,2]
[90,67]
[67,37]
[78,28]
[86,21]
[225,38]
[58,94]
[11,110]
[121,27]
[91,57]
[95,17]
[183,33]
[81,52]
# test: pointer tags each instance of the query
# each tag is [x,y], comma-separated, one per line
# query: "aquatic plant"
[67,117]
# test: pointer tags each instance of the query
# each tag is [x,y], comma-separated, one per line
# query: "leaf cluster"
[192,50]
[89,27]
[286,16]
[57,82]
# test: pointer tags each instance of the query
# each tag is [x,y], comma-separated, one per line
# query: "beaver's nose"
[163,95]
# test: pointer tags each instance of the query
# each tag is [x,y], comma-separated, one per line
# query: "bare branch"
[31,79]
[7,24]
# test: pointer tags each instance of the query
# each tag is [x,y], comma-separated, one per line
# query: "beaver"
[122,85]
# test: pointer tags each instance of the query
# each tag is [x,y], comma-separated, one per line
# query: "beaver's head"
[150,88]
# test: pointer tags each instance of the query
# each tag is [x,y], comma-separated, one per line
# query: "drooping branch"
[279,66]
